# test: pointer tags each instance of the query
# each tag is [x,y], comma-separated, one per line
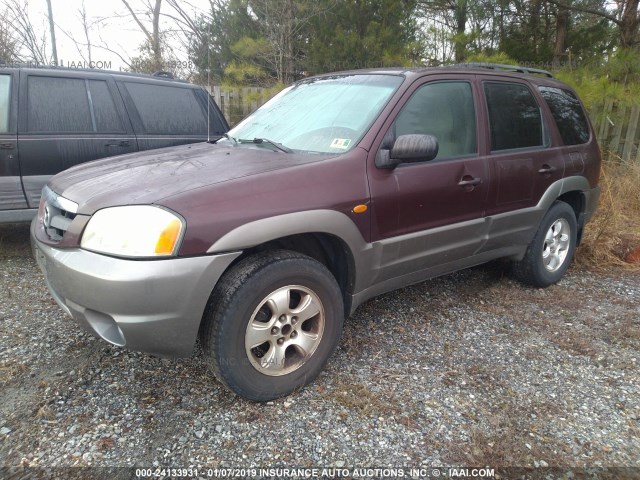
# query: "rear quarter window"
[166,110]
[568,114]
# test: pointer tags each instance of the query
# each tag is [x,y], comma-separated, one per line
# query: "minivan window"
[105,113]
[514,116]
[444,110]
[57,105]
[568,114]
[5,102]
[186,117]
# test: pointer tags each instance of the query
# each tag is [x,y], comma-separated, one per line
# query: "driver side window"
[444,110]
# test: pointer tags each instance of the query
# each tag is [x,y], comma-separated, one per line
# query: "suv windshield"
[326,115]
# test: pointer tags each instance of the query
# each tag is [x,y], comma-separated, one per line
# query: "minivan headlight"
[133,231]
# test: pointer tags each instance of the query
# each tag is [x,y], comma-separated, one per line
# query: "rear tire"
[272,323]
[549,254]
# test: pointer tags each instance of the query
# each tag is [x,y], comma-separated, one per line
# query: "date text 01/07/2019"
[330,472]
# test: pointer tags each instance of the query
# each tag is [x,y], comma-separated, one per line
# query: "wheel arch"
[328,236]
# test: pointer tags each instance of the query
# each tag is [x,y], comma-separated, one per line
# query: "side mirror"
[415,148]
[408,148]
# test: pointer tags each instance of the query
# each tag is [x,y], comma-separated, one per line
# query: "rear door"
[67,118]
[522,160]
[164,114]
[11,194]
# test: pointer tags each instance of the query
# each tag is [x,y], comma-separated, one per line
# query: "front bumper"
[152,306]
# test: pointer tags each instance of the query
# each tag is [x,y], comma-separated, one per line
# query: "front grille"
[57,213]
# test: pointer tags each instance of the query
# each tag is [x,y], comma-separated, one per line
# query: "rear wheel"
[272,323]
[550,252]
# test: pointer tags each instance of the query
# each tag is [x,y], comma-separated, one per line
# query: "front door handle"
[123,143]
[469,181]
[7,146]
[547,169]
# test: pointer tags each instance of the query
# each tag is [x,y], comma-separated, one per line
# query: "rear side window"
[514,116]
[168,110]
[5,102]
[58,105]
[444,110]
[568,115]
[104,110]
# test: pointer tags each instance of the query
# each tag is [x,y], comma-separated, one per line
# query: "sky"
[111,26]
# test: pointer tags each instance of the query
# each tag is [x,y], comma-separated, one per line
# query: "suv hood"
[147,177]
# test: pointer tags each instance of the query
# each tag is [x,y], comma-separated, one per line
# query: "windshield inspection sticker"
[342,143]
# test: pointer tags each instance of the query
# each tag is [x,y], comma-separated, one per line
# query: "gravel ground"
[467,369]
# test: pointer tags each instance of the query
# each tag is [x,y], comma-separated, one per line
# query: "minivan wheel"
[550,252]
[272,323]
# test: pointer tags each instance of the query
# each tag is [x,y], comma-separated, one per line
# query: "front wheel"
[550,252]
[272,323]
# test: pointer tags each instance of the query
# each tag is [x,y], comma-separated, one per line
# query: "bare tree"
[84,48]
[8,40]
[152,35]
[31,43]
[82,13]
[282,22]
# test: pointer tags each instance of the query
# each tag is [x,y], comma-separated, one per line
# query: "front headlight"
[133,231]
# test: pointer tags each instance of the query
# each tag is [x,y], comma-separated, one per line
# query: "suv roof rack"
[508,68]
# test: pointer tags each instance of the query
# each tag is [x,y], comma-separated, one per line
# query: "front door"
[430,213]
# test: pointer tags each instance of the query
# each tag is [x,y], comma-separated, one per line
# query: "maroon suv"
[342,187]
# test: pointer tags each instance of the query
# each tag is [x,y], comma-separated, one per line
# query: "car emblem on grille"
[47,217]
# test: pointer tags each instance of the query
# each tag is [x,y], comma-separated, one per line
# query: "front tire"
[272,323]
[549,254]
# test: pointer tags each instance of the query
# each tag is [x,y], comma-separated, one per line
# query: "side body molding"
[392,263]
[311,221]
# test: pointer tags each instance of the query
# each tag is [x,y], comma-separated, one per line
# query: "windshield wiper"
[258,141]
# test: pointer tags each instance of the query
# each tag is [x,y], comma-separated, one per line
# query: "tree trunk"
[629,24]
[562,27]
[461,11]
[157,49]
[52,30]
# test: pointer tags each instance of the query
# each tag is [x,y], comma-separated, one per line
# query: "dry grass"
[614,232]
[359,398]
[509,438]
[11,371]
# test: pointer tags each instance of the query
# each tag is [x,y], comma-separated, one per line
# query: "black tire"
[531,270]
[235,300]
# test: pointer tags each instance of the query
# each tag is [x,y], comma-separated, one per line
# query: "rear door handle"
[469,181]
[547,169]
[123,143]
[7,146]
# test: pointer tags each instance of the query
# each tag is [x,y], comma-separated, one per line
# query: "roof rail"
[508,68]
[163,74]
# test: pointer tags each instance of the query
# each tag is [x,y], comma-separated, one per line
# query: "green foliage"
[616,80]
[361,34]
[500,57]
[241,73]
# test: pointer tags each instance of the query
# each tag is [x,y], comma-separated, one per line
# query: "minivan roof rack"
[508,68]
[163,74]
